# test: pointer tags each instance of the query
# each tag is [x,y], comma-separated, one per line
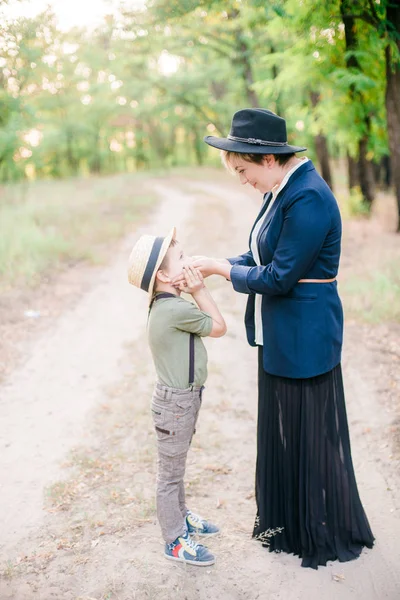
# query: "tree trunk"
[243,61]
[392,101]
[321,147]
[158,141]
[218,89]
[247,72]
[387,172]
[275,74]
[365,168]
[352,172]
[72,161]
[140,153]
[95,160]
[366,172]
[198,147]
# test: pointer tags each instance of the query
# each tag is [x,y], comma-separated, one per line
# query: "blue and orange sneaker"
[184,549]
[198,526]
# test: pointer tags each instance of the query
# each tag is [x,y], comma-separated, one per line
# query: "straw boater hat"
[146,258]
[255,131]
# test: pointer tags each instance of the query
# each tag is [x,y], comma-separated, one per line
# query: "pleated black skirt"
[306,492]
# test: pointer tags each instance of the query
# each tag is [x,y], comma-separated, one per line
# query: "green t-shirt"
[171,320]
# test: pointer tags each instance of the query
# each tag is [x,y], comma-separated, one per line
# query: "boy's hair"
[229,157]
[164,264]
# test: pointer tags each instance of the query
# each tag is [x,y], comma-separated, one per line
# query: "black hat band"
[151,263]
[255,141]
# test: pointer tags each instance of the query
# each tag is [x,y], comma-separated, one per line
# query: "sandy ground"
[77,462]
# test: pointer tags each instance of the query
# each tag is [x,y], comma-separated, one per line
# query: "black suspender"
[191,360]
[159,296]
[191,338]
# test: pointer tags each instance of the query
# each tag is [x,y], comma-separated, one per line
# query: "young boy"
[175,328]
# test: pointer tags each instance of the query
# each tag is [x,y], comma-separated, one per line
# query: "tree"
[383,20]
[392,96]
[321,146]
[364,173]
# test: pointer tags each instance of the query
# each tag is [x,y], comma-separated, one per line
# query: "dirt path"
[78,459]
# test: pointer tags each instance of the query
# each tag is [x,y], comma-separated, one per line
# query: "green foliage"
[142,91]
[375,298]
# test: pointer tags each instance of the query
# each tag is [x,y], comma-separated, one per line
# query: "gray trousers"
[175,414]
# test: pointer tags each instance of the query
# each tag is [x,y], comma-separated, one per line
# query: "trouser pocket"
[174,421]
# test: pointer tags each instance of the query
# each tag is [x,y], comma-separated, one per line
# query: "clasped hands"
[190,280]
[199,268]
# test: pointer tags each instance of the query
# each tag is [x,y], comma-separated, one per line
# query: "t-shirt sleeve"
[188,317]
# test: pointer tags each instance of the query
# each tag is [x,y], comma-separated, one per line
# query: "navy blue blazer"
[300,239]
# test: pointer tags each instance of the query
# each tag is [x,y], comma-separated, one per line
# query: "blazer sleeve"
[305,226]
[245,259]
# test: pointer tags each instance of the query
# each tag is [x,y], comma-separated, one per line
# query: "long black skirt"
[306,492]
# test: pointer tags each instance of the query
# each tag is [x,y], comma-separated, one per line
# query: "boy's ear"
[161,276]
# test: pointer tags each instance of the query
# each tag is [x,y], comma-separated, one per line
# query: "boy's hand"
[178,279]
[204,264]
[193,280]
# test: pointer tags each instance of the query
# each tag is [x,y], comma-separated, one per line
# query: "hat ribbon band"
[151,263]
[255,141]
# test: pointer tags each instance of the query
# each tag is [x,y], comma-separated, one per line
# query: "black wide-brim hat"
[255,131]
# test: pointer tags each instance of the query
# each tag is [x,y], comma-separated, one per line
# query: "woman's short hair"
[228,158]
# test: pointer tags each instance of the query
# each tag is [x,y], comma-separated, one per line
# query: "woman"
[306,492]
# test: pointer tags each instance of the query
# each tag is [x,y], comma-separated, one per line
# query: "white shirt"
[254,249]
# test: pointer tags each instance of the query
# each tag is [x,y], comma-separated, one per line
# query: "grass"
[61,494]
[48,224]
[375,296]
[370,283]
[9,570]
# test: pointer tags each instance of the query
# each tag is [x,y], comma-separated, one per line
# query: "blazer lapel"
[265,204]
[269,215]
[308,166]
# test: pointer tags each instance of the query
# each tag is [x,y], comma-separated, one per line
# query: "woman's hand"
[213,266]
[193,280]
[198,257]
[207,266]
[181,277]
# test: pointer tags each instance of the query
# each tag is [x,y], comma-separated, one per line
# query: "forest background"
[141,88]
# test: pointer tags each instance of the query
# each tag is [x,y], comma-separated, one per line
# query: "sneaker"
[197,525]
[184,549]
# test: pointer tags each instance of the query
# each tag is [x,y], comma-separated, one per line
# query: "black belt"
[191,339]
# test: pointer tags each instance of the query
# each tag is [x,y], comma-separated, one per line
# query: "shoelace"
[188,540]
[191,543]
[195,518]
